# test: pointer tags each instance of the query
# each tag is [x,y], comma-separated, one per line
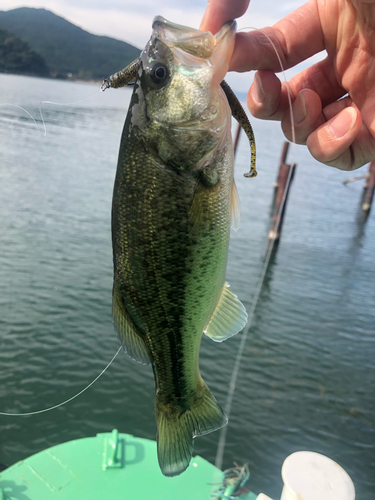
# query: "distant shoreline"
[75,80]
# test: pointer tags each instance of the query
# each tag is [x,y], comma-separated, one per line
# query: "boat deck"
[110,466]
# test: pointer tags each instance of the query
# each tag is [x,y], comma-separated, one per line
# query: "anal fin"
[229,317]
[131,339]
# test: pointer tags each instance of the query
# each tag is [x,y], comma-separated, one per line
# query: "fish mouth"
[199,62]
[202,44]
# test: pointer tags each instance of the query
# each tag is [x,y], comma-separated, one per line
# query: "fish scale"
[171,217]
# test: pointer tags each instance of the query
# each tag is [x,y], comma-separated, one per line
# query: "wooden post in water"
[369,189]
[284,154]
[282,185]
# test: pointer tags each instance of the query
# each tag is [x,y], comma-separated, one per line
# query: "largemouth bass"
[173,202]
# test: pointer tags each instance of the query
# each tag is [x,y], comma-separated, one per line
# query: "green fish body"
[171,217]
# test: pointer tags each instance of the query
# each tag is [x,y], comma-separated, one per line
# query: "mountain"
[66,48]
[16,56]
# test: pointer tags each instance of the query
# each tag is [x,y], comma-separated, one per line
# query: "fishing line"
[44,129]
[23,109]
[258,289]
[62,104]
[68,400]
[44,134]
[233,380]
[285,81]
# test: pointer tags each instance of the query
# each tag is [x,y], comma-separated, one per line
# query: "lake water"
[307,378]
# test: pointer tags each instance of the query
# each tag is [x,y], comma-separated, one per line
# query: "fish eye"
[159,74]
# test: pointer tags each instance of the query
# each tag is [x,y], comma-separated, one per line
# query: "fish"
[174,202]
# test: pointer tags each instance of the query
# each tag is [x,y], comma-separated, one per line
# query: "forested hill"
[17,57]
[66,48]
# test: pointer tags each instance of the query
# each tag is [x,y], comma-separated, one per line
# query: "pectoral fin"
[131,339]
[229,317]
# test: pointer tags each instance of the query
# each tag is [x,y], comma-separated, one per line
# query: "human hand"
[338,131]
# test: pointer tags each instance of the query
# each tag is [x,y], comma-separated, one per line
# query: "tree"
[16,56]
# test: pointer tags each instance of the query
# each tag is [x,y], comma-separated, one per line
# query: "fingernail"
[343,122]
[258,92]
[299,109]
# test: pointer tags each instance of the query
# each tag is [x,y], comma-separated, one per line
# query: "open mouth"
[198,43]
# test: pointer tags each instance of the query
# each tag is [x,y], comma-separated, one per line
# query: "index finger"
[296,37]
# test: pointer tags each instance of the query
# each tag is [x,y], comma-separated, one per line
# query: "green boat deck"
[110,466]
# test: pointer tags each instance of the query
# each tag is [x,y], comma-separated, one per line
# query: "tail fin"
[177,427]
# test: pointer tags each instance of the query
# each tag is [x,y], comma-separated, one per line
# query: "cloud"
[132,26]
[125,20]
[121,18]
[131,20]
[290,6]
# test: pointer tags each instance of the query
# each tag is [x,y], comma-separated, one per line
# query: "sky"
[130,20]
